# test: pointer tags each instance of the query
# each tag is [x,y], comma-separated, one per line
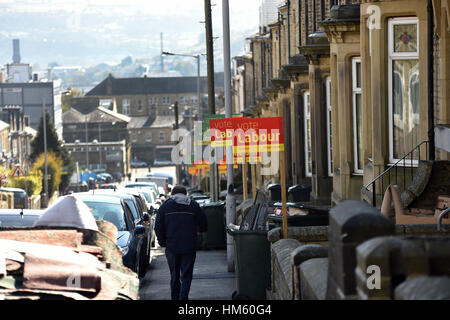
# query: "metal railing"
[404,165]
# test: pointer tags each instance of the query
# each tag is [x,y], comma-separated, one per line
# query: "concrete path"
[211,279]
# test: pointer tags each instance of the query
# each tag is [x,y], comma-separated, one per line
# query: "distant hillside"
[138,67]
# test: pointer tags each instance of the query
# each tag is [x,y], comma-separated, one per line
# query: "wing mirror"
[139,230]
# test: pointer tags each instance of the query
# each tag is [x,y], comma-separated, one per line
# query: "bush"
[34,183]
[4,176]
[54,170]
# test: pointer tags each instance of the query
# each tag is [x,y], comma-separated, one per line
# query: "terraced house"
[363,90]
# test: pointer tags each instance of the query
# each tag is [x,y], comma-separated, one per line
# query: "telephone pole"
[211,92]
[230,199]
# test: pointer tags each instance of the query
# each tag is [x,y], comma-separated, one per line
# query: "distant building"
[4,143]
[268,12]
[20,87]
[149,104]
[137,97]
[31,97]
[103,132]
[17,71]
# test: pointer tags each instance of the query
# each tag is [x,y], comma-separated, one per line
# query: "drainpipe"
[431,136]
[289,29]
[279,42]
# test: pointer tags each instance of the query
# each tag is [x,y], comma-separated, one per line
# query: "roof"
[30,131]
[147,85]
[3,125]
[89,197]
[26,212]
[12,190]
[163,122]
[140,122]
[99,115]
[112,193]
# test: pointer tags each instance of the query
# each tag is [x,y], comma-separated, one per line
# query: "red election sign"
[249,136]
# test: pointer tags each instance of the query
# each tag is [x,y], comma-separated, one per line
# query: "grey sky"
[94,31]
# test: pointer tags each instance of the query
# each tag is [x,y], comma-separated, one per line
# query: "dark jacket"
[177,222]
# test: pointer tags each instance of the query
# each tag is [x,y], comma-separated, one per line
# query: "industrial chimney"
[16,51]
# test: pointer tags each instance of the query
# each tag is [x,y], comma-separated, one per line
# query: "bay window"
[308,140]
[358,152]
[404,117]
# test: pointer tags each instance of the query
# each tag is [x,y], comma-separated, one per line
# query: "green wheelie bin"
[215,237]
[252,264]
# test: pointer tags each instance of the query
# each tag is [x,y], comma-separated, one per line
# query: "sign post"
[253,169]
[250,137]
[244,180]
[283,194]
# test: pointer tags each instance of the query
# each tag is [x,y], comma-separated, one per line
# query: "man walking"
[178,222]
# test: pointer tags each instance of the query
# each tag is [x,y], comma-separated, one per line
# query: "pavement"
[211,279]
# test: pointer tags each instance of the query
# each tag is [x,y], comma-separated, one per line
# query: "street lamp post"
[100,145]
[230,199]
[45,153]
[87,143]
[199,104]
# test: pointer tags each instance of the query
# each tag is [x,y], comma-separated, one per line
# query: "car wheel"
[142,264]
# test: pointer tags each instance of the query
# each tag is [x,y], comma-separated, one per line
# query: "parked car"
[161,174]
[162,162]
[152,207]
[67,239]
[110,186]
[139,164]
[20,197]
[18,218]
[133,235]
[144,185]
[106,177]
[162,182]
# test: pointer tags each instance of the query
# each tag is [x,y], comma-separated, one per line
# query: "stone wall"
[358,237]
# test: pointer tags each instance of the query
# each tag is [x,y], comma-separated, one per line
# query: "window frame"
[356,91]
[306,117]
[128,106]
[329,127]
[394,56]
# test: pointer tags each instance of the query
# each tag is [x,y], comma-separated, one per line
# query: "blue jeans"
[184,264]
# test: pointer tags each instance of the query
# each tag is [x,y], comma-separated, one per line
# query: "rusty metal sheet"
[51,252]
[66,238]
[30,294]
[2,263]
[52,274]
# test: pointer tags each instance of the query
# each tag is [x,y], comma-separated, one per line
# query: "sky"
[134,24]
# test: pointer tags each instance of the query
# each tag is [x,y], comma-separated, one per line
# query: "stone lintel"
[313,52]
[281,83]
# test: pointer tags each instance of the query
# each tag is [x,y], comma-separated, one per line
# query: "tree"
[66,98]
[54,170]
[53,145]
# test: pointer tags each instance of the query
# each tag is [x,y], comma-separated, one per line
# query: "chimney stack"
[16,51]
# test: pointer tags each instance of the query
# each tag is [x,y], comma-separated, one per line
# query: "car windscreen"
[111,212]
[147,196]
[20,200]
[17,221]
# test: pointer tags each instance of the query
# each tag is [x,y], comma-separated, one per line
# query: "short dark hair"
[179,189]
